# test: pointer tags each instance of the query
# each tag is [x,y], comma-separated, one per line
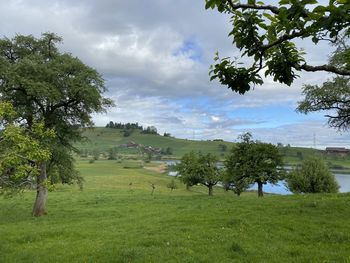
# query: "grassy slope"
[113,221]
[105,138]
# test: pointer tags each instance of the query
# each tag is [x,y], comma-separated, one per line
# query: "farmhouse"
[337,151]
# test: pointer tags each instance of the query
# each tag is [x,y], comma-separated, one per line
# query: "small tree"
[112,154]
[223,147]
[96,154]
[169,151]
[187,168]
[312,177]
[197,168]
[253,162]
[166,134]
[172,185]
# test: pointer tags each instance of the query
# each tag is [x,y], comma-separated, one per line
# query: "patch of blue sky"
[191,49]
[272,116]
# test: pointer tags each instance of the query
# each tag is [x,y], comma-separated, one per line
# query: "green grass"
[116,219]
[106,138]
[102,139]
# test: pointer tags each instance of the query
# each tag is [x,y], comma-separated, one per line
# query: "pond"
[280,188]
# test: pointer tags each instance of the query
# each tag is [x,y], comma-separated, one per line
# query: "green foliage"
[197,168]
[168,151]
[150,130]
[21,151]
[266,34]
[166,134]
[332,96]
[252,162]
[223,147]
[96,154]
[172,185]
[54,89]
[312,177]
[112,154]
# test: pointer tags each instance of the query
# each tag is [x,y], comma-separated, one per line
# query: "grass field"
[116,219]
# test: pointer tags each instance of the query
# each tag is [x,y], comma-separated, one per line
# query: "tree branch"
[325,67]
[284,38]
[271,8]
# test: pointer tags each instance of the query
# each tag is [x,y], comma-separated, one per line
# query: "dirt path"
[161,168]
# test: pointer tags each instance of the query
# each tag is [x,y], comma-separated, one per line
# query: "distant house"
[342,151]
[132,145]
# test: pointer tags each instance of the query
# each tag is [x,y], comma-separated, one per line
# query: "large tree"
[253,162]
[46,86]
[267,35]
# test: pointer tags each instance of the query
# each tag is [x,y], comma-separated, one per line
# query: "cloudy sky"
[155,57]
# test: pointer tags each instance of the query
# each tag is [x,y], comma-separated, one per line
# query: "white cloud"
[155,57]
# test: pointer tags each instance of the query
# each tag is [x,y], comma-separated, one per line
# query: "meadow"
[116,219]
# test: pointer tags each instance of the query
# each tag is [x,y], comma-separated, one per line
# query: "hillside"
[103,139]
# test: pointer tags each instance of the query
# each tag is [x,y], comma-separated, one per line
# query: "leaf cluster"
[21,151]
[265,34]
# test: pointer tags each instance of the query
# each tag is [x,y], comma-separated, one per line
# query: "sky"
[155,56]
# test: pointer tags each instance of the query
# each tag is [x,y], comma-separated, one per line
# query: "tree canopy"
[312,177]
[252,162]
[198,168]
[44,85]
[267,35]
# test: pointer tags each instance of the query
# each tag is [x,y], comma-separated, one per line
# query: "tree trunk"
[210,190]
[188,187]
[260,189]
[41,193]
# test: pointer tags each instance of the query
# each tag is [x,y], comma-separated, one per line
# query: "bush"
[312,177]
[172,185]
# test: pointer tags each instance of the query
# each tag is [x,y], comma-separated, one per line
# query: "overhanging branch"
[328,68]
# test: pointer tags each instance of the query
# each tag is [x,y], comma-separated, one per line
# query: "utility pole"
[314,140]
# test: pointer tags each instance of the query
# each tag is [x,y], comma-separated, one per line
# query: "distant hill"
[103,139]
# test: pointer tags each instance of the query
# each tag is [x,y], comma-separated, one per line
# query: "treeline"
[128,128]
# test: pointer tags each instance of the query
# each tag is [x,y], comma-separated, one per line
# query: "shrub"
[172,185]
[312,177]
